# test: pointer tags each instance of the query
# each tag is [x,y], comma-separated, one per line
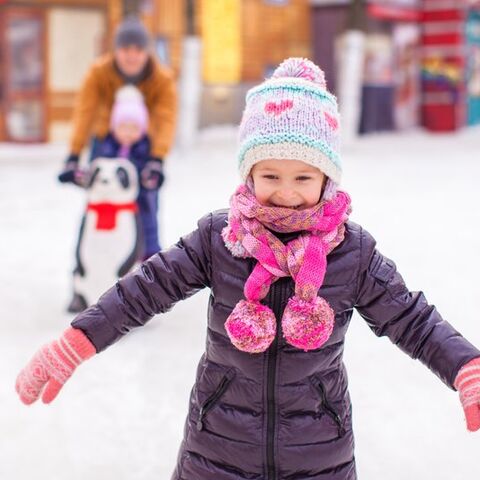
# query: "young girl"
[128,139]
[285,269]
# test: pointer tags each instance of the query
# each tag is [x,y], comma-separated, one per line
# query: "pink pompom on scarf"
[308,320]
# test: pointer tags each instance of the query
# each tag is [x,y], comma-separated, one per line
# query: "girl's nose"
[286,193]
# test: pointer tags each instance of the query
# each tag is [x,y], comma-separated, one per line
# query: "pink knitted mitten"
[467,382]
[52,366]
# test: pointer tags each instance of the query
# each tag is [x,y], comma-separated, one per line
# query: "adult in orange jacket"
[131,62]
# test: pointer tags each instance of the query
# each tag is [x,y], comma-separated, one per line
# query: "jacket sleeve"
[84,110]
[154,287]
[163,115]
[406,318]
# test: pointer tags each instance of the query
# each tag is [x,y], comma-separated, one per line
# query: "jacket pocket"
[325,406]
[212,400]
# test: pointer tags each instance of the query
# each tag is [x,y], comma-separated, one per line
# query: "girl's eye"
[303,178]
[270,177]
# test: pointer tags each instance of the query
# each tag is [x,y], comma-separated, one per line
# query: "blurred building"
[220,48]
[47,45]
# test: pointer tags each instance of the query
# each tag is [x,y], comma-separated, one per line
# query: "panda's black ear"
[93,177]
[122,175]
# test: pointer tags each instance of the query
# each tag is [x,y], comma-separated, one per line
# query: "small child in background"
[128,139]
[286,268]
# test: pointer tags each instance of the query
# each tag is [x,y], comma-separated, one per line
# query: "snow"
[121,416]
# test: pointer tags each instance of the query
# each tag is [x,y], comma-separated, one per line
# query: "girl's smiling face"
[287,183]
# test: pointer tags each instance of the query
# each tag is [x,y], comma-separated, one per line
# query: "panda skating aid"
[110,238]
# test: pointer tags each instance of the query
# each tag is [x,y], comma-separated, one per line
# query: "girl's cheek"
[262,198]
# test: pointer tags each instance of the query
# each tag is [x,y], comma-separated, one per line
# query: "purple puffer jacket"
[284,414]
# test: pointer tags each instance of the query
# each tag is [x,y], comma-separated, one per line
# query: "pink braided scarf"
[308,320]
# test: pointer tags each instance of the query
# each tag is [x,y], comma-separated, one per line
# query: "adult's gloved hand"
[467,382]
[52,366]
[71,172]
[151,176]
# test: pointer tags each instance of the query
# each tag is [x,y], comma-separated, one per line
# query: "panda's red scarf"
[107,213]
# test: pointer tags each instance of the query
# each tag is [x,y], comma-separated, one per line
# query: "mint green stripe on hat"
[289,138]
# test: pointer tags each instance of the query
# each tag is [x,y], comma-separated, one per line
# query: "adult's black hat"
[132,32]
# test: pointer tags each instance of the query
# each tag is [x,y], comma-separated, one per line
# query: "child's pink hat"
[129,106]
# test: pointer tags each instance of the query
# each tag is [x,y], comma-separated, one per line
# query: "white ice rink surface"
[121,416]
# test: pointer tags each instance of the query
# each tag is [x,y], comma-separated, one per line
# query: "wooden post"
[170,23]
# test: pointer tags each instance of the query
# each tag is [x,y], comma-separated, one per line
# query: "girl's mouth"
[293,207]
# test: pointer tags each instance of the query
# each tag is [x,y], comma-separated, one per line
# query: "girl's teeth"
[294,207]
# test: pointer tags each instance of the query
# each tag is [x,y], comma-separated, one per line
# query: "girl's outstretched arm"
[416,327]
[153,288]
[406,317]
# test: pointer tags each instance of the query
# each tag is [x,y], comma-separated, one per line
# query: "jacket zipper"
[212,399]
[278,296]
[329,410]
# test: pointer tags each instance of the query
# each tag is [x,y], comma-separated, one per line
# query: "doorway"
[23,75]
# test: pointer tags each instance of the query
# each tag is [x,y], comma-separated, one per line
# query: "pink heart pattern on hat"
[276,108]
[332,121]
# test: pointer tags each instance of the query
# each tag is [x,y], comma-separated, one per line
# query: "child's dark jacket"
[139,152]
[284,414]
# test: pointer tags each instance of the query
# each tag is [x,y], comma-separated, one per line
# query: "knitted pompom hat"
[291,116]
[129,106]
[132,32]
